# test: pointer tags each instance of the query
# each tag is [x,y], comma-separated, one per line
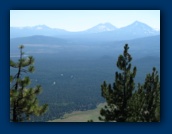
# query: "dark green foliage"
[23,100]
[90,121]
[145,103]
[117,96]
[124,105]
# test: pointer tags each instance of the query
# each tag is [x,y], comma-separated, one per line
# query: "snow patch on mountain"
[102,27]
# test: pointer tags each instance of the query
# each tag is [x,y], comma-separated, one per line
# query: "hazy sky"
[78,20]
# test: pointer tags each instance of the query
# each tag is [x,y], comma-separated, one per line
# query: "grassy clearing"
[82,116]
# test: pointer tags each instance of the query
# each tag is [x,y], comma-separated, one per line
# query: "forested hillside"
[71,73]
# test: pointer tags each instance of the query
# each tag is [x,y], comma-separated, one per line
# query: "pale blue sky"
[78,20]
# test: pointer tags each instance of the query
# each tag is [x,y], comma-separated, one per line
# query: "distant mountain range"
[36,30]
[103,27]
[104,31]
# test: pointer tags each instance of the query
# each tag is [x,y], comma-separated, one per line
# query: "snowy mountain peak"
[138,28]
[137,22]
[41,27]
[139,25]
[102,27]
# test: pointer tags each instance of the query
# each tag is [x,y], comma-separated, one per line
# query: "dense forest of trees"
[127,102]
[23,100]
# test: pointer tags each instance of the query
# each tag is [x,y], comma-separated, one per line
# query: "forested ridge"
[65,100]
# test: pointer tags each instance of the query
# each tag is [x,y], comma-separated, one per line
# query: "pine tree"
[23,100]
[145,103]
[136,105]
[151,88]
[117,97]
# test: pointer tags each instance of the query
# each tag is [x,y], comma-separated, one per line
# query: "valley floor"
[81,116]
